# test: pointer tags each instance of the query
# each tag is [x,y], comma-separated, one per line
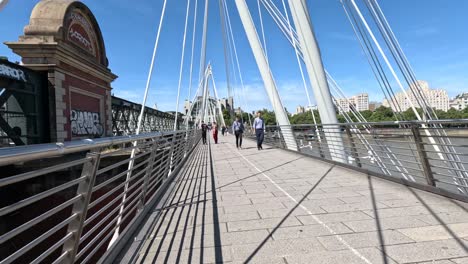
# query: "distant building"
[435,98]
[374,105]
[360,102]
[300,110]
[460,101]
[311,108]
[227,103]
[303,109]
[238,111]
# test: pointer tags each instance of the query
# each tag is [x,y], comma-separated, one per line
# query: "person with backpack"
[238,129]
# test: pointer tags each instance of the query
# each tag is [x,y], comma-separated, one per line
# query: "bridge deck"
[274,206]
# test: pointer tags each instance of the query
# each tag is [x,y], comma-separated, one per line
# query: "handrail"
[424,144]
[12,155]
[387,123]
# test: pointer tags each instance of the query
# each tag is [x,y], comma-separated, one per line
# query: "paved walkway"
[273,206]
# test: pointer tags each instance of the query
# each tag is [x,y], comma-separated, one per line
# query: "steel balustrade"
[399,151]
[78,222]
[79,211]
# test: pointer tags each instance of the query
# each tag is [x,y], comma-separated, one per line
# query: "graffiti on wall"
[12,73]
[86,123]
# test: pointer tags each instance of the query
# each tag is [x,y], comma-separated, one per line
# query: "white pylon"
[268,80]
[318,79]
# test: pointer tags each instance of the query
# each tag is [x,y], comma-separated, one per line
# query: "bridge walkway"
[275,206]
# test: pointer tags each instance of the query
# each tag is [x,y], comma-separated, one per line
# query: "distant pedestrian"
[223,130]
[238,129]
[259,126]
[215,132]
[204,128]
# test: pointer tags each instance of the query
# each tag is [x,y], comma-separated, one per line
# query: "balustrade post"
[319,143]
[354,152]
[80,207]
[422,155]
[171,153]
[149,170]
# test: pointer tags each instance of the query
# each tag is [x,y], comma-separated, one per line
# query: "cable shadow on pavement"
[270,236]
[459,241]
[184,182]
[250,176]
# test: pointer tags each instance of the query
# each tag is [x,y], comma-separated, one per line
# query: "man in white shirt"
[259,126]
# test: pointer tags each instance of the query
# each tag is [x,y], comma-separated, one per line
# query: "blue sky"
[433,36]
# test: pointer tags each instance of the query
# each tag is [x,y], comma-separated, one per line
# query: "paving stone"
[386,223]
[460,260]
[264,213]
[238,201]
[437,262]
[270,200]
[315,202]
[370,255]
[309,231]
[334,217]
[262,224]
[403,211]
[378,197]
[246,237]
[364,240]
[249,208]
[320,196]
[427,251]
[263,260]
[438,232]
[280,248]
[239,209]
[352,207]
[447,218]
[205,255]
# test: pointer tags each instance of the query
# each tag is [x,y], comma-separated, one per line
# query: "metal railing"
[430,155]
[62,203]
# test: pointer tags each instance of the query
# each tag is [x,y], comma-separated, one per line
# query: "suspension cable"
[140,119]
[235,52]
[181,65]
[263,32]
[193,46]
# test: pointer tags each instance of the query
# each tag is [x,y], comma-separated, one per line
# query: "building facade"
[360,102]
[300,110]
[374,105]
[435,98]
[460,102]
[227,103]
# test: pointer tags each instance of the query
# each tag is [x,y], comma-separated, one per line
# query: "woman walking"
[215,132]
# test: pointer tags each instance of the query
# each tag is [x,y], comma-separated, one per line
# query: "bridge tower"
[64,40]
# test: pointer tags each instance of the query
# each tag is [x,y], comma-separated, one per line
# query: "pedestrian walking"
[204,128]
[238,129]
[223,130]
[215,132]
[259,126]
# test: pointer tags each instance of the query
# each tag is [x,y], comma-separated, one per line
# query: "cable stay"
[439,141]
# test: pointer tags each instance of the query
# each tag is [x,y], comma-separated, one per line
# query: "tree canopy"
[380,114]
